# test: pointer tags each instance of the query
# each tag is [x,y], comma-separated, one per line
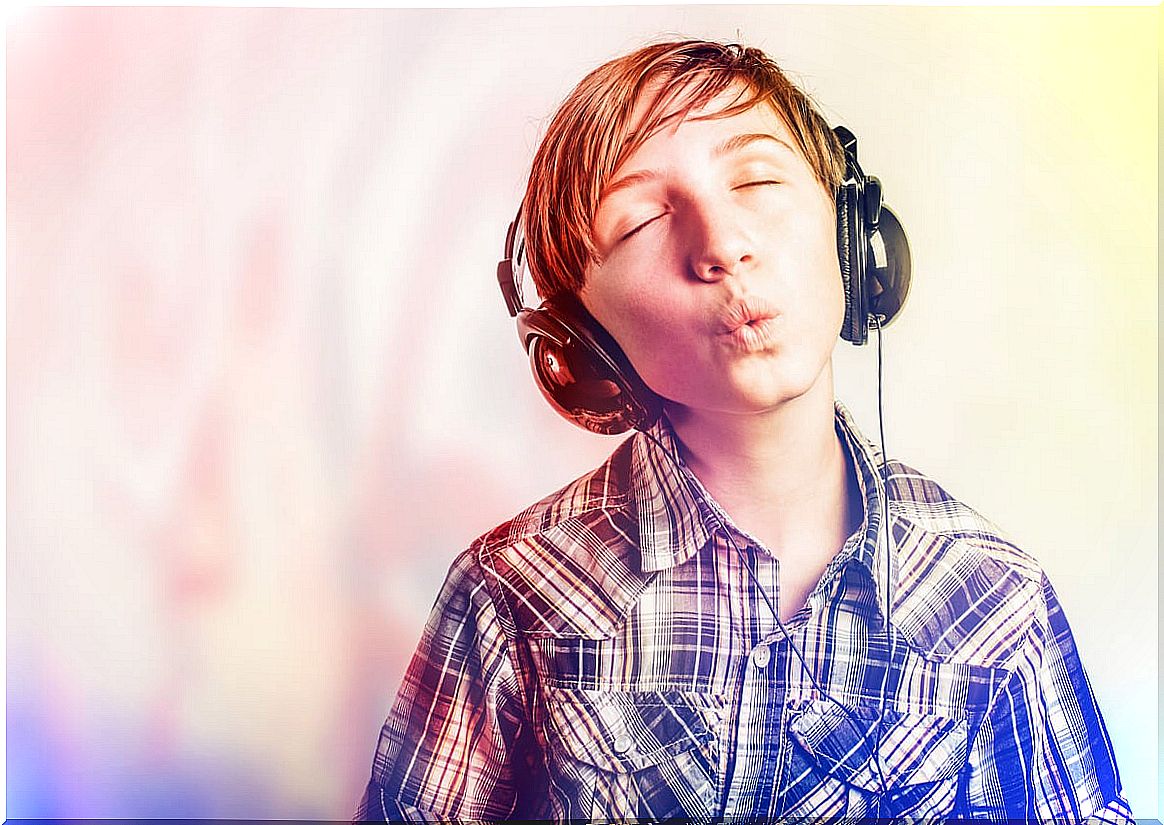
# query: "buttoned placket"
[763,705]
[757,689]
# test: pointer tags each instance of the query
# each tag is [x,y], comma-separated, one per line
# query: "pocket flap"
[628,731]
[914,748]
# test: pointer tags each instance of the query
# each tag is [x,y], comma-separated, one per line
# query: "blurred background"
[262,387]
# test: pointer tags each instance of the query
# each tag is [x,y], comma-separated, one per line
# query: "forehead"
[660,128]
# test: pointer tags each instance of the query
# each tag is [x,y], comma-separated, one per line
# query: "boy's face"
[719,275]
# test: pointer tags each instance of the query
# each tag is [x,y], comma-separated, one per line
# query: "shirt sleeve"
[1043,751]
[456,744]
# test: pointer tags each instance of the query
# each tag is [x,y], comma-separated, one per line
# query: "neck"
[782,475]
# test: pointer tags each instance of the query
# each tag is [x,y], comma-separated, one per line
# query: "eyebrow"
[732,144]
[738,142]
[627,181]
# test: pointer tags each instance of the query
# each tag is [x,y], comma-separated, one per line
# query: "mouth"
[749,325]
[748,312]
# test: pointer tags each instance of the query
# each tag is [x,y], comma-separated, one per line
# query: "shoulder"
[918,502]
[605,488]
[569,563]
[966,592]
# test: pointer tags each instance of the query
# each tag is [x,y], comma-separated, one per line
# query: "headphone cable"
[885,528]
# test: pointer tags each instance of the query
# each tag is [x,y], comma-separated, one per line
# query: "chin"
[749,387]
[765,389]
[739,400]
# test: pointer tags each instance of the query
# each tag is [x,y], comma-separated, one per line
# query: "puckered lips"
[749,324]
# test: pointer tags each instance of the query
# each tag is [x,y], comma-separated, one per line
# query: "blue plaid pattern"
[606,655]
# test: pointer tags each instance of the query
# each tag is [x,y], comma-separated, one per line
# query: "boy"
[746,611]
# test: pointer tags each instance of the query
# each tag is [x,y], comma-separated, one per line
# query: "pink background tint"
[262,388]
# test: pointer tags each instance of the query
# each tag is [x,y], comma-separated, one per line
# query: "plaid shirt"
[607,655]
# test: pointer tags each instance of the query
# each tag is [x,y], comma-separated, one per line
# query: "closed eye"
[758,183]
[641,226]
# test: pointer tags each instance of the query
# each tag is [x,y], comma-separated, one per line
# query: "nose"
[721,243]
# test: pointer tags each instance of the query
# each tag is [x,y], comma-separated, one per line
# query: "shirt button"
[761,656]
[622,744]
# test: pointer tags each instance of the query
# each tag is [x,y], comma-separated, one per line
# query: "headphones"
[584,374]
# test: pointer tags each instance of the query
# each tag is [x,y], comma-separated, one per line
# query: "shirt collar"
[677,516]
[675,519]
[869,546]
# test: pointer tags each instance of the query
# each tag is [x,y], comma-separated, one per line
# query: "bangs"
[615,109]
[672,103]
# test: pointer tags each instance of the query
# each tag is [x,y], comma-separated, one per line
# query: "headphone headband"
[507,272]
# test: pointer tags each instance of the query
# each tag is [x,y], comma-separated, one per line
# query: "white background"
[263,387]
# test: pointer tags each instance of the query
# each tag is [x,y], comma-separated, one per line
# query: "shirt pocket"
[831,771]
[635,754]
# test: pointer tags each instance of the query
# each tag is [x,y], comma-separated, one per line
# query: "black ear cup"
[888,278]
[872,249]
[582,371]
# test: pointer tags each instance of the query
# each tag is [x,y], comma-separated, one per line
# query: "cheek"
[832,306]
[660,340]
[629,310]
[835,295]
[831,286]
[652,339]
[817,286]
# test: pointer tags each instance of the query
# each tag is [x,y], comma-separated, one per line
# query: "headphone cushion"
[582,371]
[848,258]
